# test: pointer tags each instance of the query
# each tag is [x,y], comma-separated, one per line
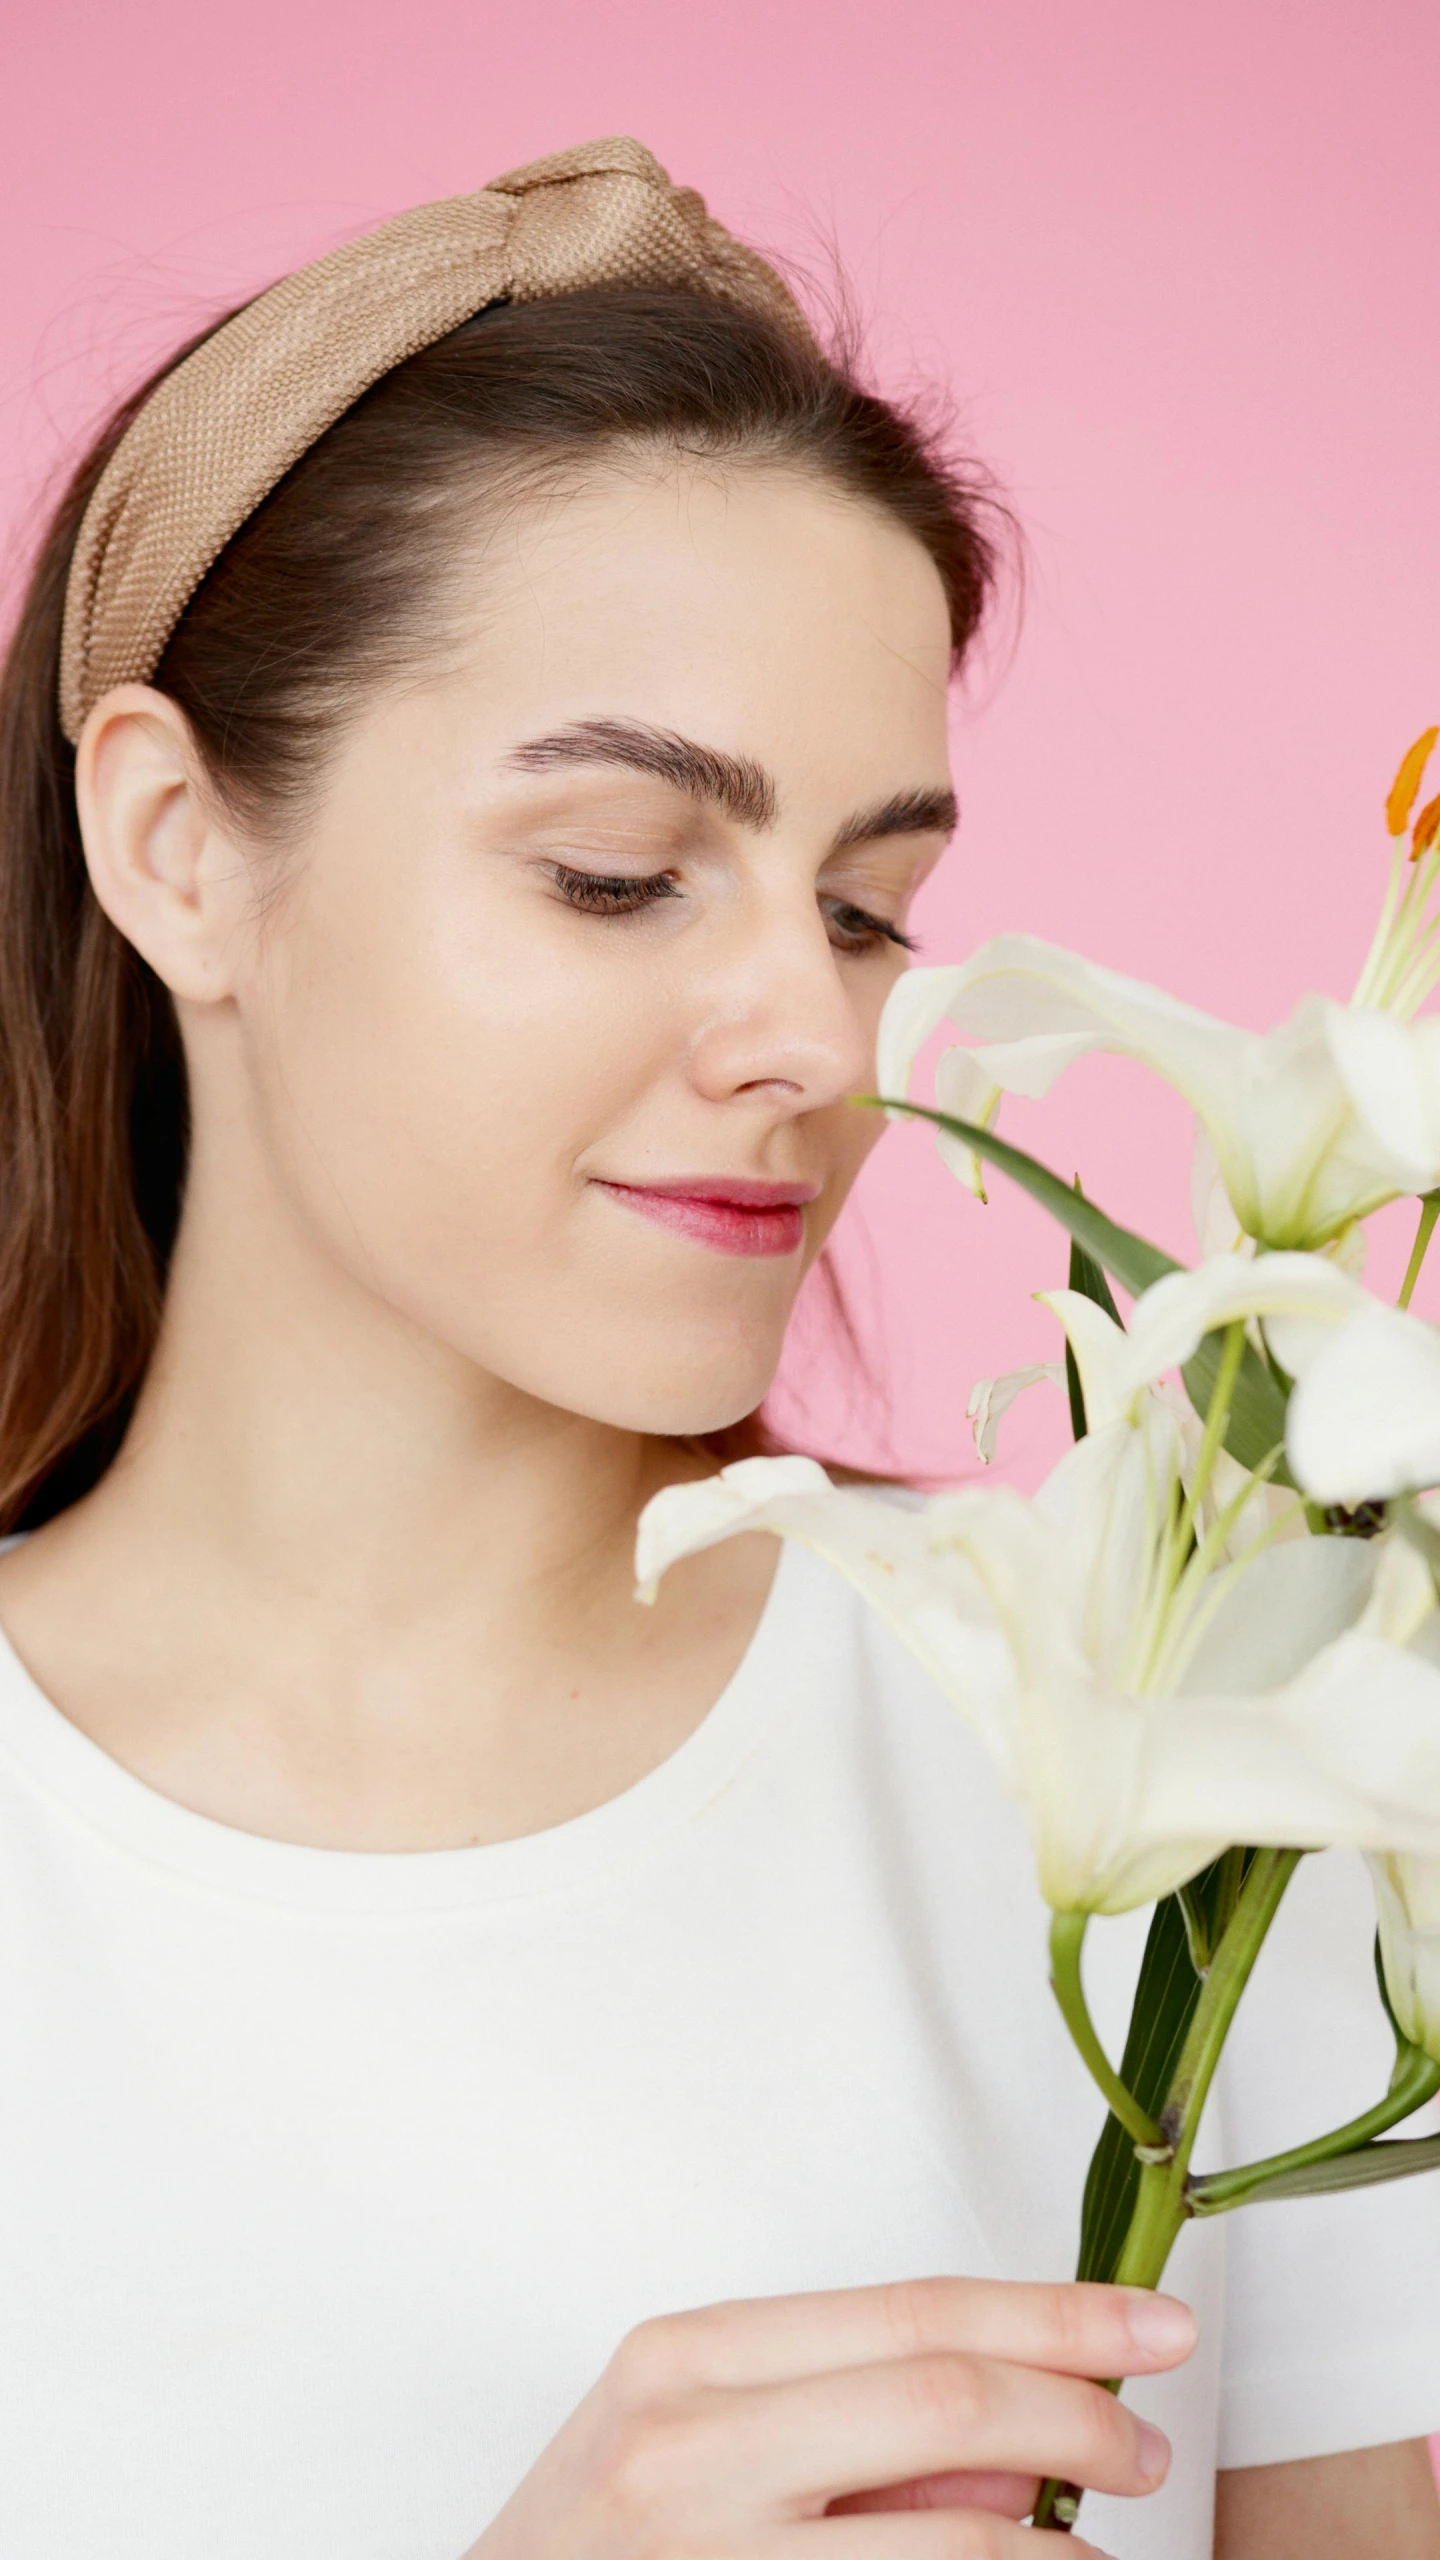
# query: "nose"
[787,1019]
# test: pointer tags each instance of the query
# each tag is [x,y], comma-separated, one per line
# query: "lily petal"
[1126,1795]
[1346,1755]
[1390,1070]
[1217,1229]
[1364,1418]
[898,1555]
[1172,1319]
[1101,1354]
[1272,1618]
[1017,990]
[1298,1165]
[991,1399]
[687,1517]
[964,1089]
[1401,1608]
[914,1009]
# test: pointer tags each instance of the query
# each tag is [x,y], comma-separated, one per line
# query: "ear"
[162,864]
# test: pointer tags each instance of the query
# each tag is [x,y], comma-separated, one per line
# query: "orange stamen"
[1405,789]
[1427,828]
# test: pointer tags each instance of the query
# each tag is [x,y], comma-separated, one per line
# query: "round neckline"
[61,1762]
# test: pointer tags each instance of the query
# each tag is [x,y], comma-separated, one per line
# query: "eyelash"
[595,895]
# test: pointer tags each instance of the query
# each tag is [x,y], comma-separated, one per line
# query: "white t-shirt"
[329,2182]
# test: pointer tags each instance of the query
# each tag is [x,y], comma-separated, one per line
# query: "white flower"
[1363,1420]
[1144,1711]
[1313,1125]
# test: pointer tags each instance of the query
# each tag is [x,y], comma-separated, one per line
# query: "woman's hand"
[726,2433]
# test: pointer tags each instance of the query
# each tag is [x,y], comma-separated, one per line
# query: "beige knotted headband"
[219,432]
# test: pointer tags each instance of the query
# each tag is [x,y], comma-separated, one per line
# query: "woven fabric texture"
[218,434]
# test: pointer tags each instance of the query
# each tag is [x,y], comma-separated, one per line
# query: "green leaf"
[1256,1427]
[1165,1999]
[1257,1409]
[1133,1262]
[1076,1393]
[1088,1281]
[1414,2081]
[1373,2165]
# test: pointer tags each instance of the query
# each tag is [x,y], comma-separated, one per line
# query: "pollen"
[1405,789]
[1427,829]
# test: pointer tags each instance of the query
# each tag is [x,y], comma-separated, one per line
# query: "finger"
[1099,2330]
[1000,2493]
[798,2445]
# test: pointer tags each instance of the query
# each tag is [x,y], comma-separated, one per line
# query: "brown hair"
[330,587]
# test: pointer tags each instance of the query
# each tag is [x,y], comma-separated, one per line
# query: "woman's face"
[548,1038]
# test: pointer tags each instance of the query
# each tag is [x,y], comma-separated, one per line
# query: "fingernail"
[1152,2451]
[1160,2324]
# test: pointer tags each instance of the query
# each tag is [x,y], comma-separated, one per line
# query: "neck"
[342,1586]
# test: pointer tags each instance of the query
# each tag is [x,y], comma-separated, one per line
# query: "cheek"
[429,1089]
[854,1135]
[429,1100]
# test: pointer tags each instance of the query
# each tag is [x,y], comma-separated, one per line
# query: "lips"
[752,1219]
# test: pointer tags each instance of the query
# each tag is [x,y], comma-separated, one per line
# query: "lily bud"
[1407,1897]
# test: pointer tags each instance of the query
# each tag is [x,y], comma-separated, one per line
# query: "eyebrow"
[906,813]
[736,784]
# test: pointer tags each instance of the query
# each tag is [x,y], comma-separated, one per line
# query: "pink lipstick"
[749,1218]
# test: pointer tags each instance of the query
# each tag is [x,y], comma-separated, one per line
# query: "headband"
[218,433]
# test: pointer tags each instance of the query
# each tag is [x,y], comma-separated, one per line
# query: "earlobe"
[152,836]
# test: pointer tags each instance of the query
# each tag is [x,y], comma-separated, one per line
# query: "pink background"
[1176,264]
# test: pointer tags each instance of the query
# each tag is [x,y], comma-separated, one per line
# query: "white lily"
[1314,1124]
[1363,1421]
[1116,1370]
[1144,1711]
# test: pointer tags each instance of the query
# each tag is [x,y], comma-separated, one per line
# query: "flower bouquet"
[1210,1643]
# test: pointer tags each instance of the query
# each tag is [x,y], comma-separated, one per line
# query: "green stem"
[1183,1540]
[1256,1905]
[1232,1877]
[1206,1920]
[1163,2202]
[1429,1212]
[1216,1419]
[1067,1937]
[1416,2079]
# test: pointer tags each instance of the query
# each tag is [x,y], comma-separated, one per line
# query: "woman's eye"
[597,895]
[853,928]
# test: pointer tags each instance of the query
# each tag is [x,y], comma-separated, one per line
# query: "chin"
[682,1399]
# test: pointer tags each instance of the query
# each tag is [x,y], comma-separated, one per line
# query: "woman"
[483,2059]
